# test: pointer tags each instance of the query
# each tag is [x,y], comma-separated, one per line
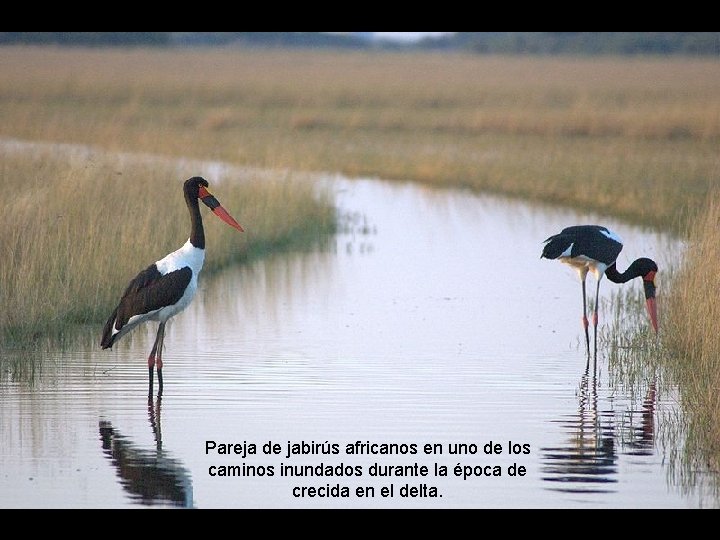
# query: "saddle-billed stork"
[593,248]
[167,286]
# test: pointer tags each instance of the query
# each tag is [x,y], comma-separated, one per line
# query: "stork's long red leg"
[161,335]
[156,353]
[584,315]
[595,313]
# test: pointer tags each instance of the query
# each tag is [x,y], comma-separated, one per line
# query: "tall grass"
[691,334]
[76,229]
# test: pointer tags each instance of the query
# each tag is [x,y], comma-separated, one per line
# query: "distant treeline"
[663,43]
[109,39]
[93,39]
[692,43]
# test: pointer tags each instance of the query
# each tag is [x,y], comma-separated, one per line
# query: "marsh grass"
[692,336]
[76,229]
[634,351]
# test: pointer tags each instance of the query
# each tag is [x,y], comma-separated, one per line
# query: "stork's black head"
[192,186]
[644,268]
[647,268]
[197,188]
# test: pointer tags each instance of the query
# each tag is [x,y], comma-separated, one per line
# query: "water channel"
[423,357]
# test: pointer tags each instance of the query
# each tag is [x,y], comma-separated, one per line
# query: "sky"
[407,36]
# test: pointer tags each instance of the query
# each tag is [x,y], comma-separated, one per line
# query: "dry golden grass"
[691,333]
[635,137]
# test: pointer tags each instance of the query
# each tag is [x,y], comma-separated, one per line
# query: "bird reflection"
[150,476]
[588,463]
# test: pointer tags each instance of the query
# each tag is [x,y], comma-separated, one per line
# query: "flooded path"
[425,357]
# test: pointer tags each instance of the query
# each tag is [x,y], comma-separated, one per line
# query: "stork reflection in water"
[150,476]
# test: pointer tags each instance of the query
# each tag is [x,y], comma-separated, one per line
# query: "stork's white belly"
[583,264]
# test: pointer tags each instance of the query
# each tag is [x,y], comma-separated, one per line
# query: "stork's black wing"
[148,291]
[592,241]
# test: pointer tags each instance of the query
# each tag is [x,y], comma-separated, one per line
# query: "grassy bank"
[76,229]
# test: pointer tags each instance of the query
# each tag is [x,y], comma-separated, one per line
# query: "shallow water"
[429,322]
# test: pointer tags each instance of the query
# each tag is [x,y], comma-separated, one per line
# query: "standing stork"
[167,286]
[592,248]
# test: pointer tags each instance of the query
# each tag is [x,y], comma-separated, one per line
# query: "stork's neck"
[632,272]
[197,232]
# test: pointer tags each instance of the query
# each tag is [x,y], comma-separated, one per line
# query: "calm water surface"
[429,319]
